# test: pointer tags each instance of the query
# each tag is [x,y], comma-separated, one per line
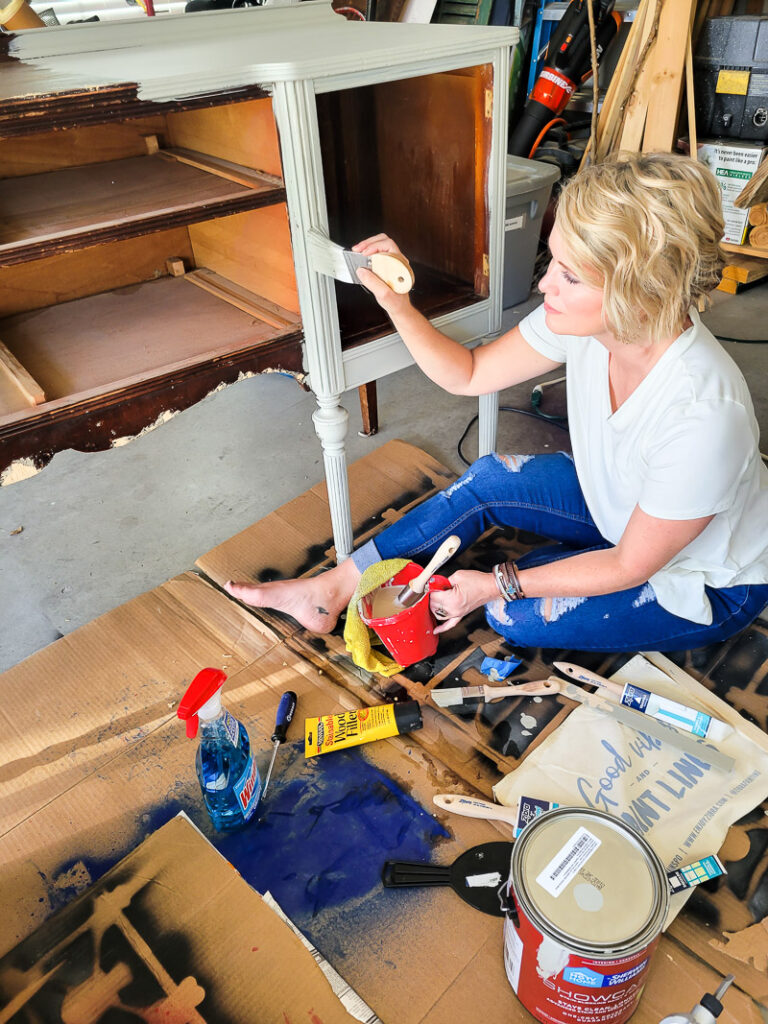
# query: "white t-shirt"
[683,445]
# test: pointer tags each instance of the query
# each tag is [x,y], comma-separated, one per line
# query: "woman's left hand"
[469,590]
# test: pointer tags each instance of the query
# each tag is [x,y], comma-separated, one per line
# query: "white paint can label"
[568,861]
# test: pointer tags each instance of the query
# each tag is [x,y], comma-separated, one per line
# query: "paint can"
[587,898]
[408,635]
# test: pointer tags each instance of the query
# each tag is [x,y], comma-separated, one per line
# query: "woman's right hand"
[469,590]
[389,301]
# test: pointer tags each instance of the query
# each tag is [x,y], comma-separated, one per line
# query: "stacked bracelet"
[508,581]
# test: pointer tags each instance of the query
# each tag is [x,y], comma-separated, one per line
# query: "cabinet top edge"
[178,56]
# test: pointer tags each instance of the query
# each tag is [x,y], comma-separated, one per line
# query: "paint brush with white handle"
[412,591]
[470,807]
[326,257]
[671,712]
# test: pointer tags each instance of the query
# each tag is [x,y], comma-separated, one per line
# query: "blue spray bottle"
[226,769]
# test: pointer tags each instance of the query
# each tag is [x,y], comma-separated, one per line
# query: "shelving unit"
[78,207]
[159,181]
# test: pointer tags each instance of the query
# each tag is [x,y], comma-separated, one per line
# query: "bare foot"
[315,603]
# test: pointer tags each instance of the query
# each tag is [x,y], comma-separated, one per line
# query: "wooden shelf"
[91,347]
[744,250]
[26,114]
[77,207]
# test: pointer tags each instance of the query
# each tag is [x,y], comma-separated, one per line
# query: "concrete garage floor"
[92,531]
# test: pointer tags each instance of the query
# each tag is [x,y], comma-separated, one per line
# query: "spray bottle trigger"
[205,684]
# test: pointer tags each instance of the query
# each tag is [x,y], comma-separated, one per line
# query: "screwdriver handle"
[285,710]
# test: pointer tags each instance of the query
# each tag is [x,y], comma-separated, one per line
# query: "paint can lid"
[589,881]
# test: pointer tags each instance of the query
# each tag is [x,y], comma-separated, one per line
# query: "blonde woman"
[660,515]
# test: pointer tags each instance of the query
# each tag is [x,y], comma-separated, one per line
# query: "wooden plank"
[667,78]
[252,250]
[221,168]
[632,119]
[756,189]
[621,83]
[69,276]
[80,206]
[747,250]
[11,367]
[369,408]
[246,300]
[242,132]
[689,97]
[745,269]
[730,287]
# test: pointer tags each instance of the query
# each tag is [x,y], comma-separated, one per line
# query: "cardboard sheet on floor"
[483,742]
[94,759]
[170,933]
[118,768]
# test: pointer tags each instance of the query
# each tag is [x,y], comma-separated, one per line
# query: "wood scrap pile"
[758,231]
[754,193]
[642,104]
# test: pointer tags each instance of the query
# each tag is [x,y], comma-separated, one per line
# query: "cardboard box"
[94,760]
[733,164]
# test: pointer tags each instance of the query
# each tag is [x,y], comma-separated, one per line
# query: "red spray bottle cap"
[206,683]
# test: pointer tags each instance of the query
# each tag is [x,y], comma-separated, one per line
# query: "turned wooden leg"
[369,407]
[330,421]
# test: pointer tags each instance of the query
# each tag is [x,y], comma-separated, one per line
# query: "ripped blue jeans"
[541,494]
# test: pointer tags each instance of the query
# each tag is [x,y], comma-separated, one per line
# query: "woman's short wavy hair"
[646,228]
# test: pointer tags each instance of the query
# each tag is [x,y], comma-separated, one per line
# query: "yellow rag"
[357,636]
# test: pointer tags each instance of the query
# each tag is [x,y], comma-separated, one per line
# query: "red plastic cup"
[409,636]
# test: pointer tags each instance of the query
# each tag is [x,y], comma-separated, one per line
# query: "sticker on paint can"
[567,863]
[514,223]
[513,955]
[587,978]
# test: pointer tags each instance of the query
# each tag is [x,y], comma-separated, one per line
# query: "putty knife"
[476,875]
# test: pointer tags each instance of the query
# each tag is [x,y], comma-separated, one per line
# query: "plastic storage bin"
[529,186]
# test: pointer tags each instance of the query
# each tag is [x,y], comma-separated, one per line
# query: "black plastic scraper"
[476,875]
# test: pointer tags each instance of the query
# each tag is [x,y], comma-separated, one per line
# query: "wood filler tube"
[351,728]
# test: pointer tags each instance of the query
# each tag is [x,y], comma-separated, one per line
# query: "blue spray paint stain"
[324,832]
[76,874]
[318,844]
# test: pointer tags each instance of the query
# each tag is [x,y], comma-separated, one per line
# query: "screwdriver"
[285,710]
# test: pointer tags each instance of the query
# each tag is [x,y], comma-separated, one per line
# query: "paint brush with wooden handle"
[335,261]
[671,712]
[412,591]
